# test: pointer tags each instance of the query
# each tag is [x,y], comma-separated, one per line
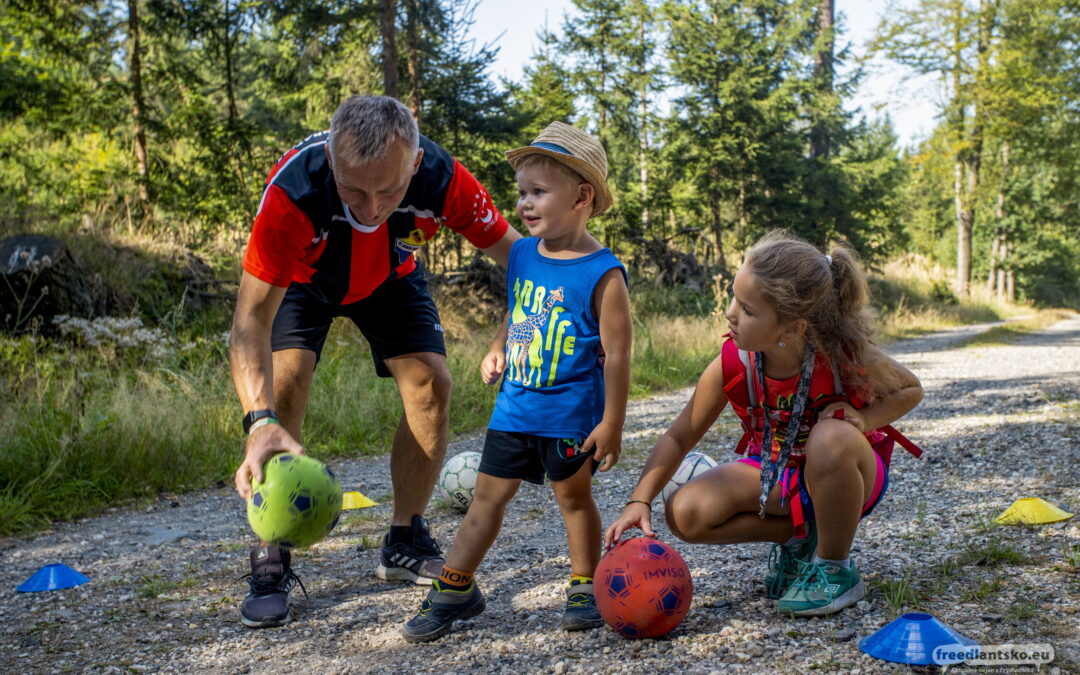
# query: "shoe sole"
[445,628]
[581,625]
[401,574]
[272,623]
[857,593]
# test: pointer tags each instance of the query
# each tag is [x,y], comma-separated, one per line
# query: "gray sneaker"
[581,612]
[419,561]
[271,579]
[440,610]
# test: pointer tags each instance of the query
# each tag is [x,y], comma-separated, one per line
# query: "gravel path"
[998,423]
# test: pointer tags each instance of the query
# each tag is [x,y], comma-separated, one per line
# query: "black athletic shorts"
[398,318]
[508,454]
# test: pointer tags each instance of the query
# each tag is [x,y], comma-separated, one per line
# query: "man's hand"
[607,439]
[265,442]
[493,365]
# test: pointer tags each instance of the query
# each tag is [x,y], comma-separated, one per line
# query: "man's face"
[373,190]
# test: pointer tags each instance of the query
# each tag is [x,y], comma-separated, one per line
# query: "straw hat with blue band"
[576,149]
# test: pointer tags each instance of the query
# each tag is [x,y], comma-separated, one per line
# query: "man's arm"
[500,250]
[251,361]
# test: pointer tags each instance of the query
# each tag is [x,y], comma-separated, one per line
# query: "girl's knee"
[685,516]
[834,444]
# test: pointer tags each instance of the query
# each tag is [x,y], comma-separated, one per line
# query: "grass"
[994,554]
[899,593]
[84,428]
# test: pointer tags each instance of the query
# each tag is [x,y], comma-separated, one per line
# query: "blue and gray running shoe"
[581,612]
[440,610]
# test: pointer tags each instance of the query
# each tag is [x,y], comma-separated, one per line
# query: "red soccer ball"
[643,588]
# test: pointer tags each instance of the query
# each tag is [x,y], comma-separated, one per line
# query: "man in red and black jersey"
[341,217]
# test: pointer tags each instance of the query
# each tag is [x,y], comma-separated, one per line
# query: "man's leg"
[416,456]
[293,372]
[271,577]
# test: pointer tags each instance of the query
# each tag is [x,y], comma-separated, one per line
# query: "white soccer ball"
[457,480]
[694,464]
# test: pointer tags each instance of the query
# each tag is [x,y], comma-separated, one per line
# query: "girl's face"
[755,325]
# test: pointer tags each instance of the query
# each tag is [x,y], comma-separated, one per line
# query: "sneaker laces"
[811,574]
[265,584]
[422,539]
[780,561]
[579,600]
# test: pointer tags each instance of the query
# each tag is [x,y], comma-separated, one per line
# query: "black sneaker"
[419,562]
[581,612]
[271,579]
[440,610]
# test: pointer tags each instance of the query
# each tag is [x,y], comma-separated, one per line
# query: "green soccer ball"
[297,503]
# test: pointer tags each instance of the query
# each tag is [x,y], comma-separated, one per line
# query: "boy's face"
[549,204]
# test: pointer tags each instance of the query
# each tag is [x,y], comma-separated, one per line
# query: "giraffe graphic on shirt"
[522,333]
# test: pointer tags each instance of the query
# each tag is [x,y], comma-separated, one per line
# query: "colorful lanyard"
[771,466]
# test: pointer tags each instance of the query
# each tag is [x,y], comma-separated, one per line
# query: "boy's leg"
[583,532]
[482,523]
[721,507]
[454,595]
[582,519]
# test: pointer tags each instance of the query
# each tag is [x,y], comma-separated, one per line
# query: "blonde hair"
[829,293]
[551,165]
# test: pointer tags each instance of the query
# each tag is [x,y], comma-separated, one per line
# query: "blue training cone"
[912,639]
[52,577]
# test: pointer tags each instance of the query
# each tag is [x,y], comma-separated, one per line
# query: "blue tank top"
[553,385]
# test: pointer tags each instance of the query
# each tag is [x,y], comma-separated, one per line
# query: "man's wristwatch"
[256,415]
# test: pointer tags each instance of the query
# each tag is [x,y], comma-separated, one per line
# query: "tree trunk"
[823,76]
[230,93]
[138,110]
[387,20]
[965,214]
[412,51]
[643,137]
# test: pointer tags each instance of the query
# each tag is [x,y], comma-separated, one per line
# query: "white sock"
[845,563]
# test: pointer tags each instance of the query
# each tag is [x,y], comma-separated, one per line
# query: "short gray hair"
[364,126]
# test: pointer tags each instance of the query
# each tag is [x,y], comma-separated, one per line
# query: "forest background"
[140,132]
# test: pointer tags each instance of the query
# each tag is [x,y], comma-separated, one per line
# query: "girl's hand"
[844,411]
[635,514]
[493,365]
[608,442]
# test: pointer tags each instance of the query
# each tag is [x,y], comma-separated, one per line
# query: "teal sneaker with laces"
[822,588]
[785,562]
[581,612]
[440,610]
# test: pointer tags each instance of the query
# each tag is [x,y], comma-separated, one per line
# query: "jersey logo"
[406,246]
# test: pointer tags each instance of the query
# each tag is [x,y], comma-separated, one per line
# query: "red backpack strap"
[903,440]
[739,389]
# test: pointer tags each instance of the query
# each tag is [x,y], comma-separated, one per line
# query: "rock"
[992,618]
[863,606]
[844,634]
[43,280]
[164,535]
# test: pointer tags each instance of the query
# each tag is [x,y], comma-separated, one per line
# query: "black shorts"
[508,454]
[398,318]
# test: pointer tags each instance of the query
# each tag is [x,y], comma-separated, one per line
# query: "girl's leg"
[840,471]
[721,507]
[582,519]
[482,523]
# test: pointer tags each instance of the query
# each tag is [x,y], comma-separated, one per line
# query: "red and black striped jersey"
[304,233]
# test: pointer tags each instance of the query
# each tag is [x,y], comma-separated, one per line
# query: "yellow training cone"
[1032,511]
[355,500]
